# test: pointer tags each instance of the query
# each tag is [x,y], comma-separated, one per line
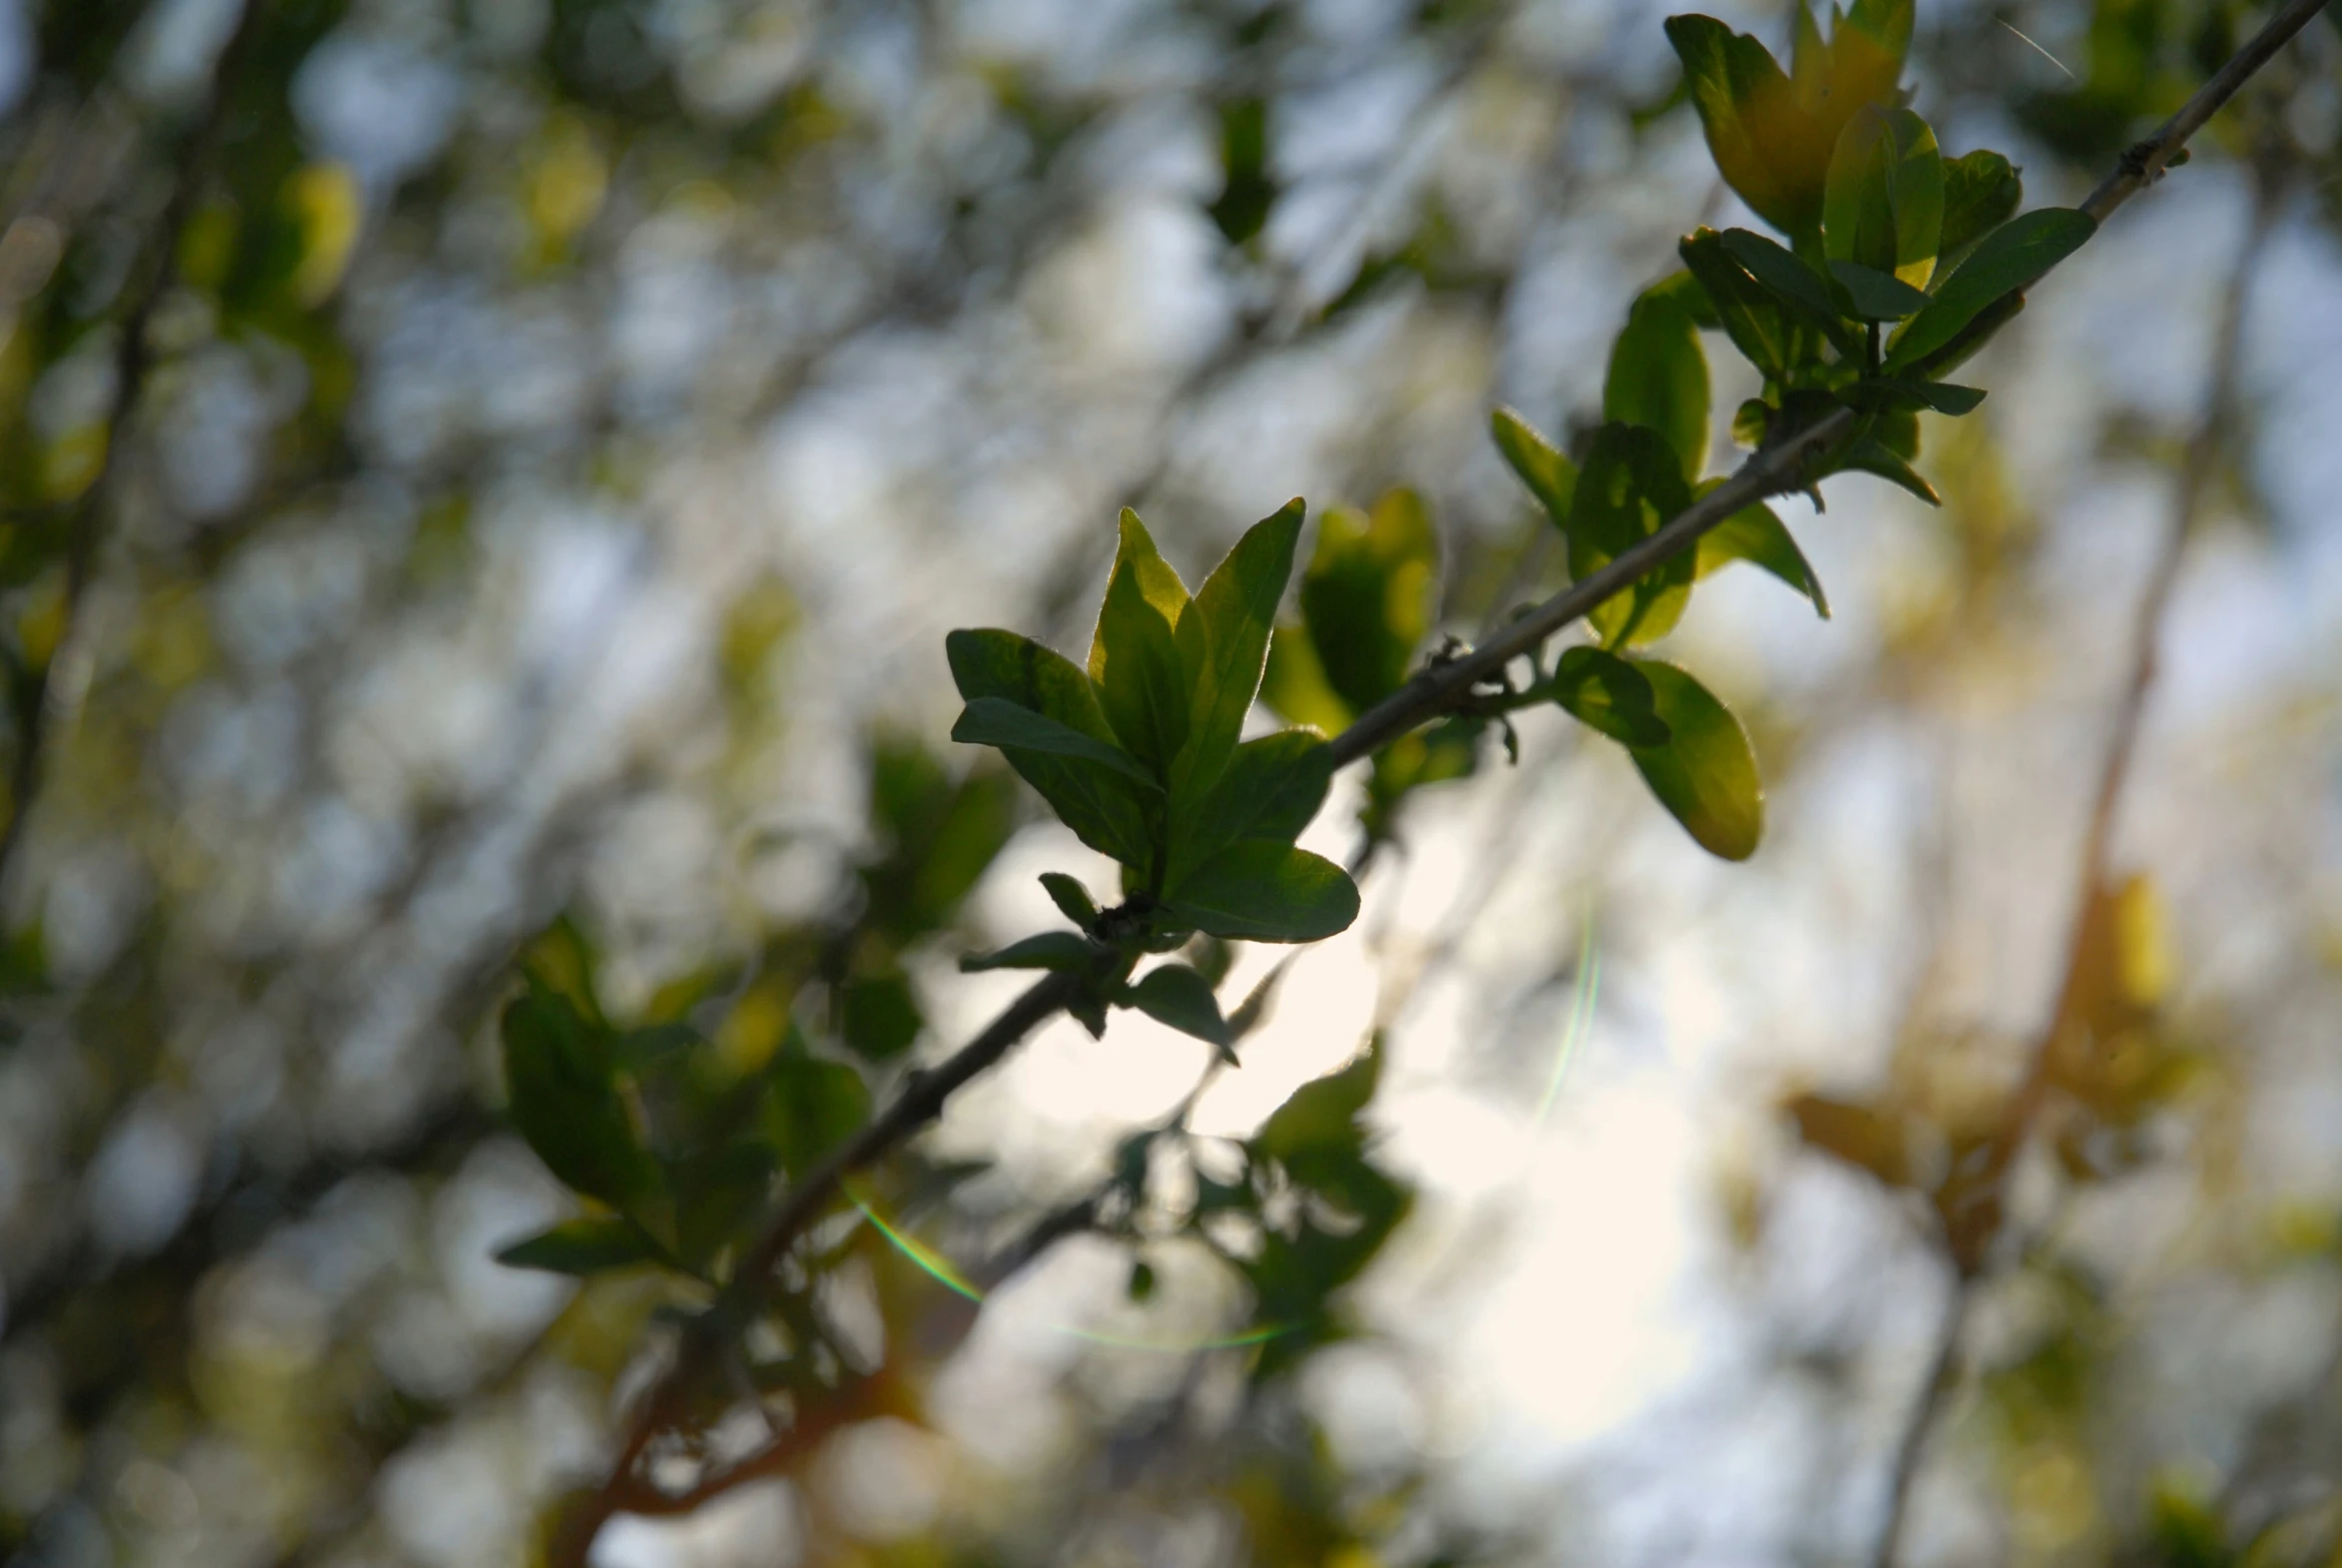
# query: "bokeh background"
[470,461]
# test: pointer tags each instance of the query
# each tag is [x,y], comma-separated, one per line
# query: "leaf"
[1224,641]
[1735,85]
[1322,1116]
[1262,891]
[562,1074]
[1686,290]
[1072,898]
[1791,282]
[1749,315]
[1888,21]
[1366,595]
[1885,204]
[1756,535]
[1659,379]
[1633,484]
[1135,656]
[1049,950]
[1270,789]
[811,1105]
[1108,809]
[1603,692]
[1856,1134]
[878,1015]
[1943,397]
[1294,685]
[1542,466]
[996,721]
[589,1245]
[2013,257]
[1870,456]
[1706,773]
[1175,995]
[1980,192]
[1877,295]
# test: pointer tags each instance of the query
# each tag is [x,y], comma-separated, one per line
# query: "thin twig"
[133,354]
[1440,689]
[1974,1221]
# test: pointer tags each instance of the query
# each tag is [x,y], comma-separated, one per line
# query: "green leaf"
[1134,655]
[1175,995]
[1749,315]
[878,1015]
[1980,192]
[811,1105]
[562,1072]
[1270,789]
[1049,950]
[996,721]
[1224,640]
[1366,595]
[1888,21]
[1542,466]
[1706,773]
[1072,898]
[1659,379]
[1943,397]
[1322,1116]
[1757,535]
[1262,891]
[1684,290]
[1885,204]
[590,1245]
[1296,687]
[1877,295]
[1108,809]
[2012,258]
[1793,282]
[1633,484]
[1738,90]
[1603,692]
[1871,456]
[716,1192]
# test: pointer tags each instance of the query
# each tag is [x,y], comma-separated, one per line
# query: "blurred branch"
[133,356]
[1975,1201]
[1446,686]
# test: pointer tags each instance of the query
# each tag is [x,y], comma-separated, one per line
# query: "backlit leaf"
[1175,995]
[1542,466]
[2012,257]
[1706,773]
[1262,891]
[1659,379]
[1607,693]
[590,1245]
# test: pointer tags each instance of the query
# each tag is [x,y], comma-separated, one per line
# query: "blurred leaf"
[1135,656]
[1049,950]
[1542,466]
[590,1245]
[1659,379]
[2013,257]
[1980,192]
[1606,693]
[1106,809]
[878,1015]
[1072,898]
[562,1074]
[811,1105]
[1366,595]
[1706,773]
[1246,190]
[1756,535]
[1141,1286]
[1175,995]
[1633,483]
[1262,891]
[1883,210]
[1296,687]
[1858,1134]
[1322,1115]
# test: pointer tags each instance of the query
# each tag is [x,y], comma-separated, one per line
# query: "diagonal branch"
[1440,689]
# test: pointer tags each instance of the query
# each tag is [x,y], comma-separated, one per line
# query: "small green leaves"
[1223,639]
[1739,90]
[1884,204]
[1134,655]
[1108,809]
[1870,456]
[1756,535]
[1049,950]
[1542,466]
[1072,898]
[1757,323]
[1659,379]
[1877,295]
[561,1072]
[1270,789]
[1633,483]
[1706,772]
[1980,192]
[1175,995]
[1607,693]
[1800,289]
[589,1245]
[1261,891]
[996,721]
[2014,258]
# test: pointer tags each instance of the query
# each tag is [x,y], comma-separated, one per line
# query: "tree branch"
[1438,689]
